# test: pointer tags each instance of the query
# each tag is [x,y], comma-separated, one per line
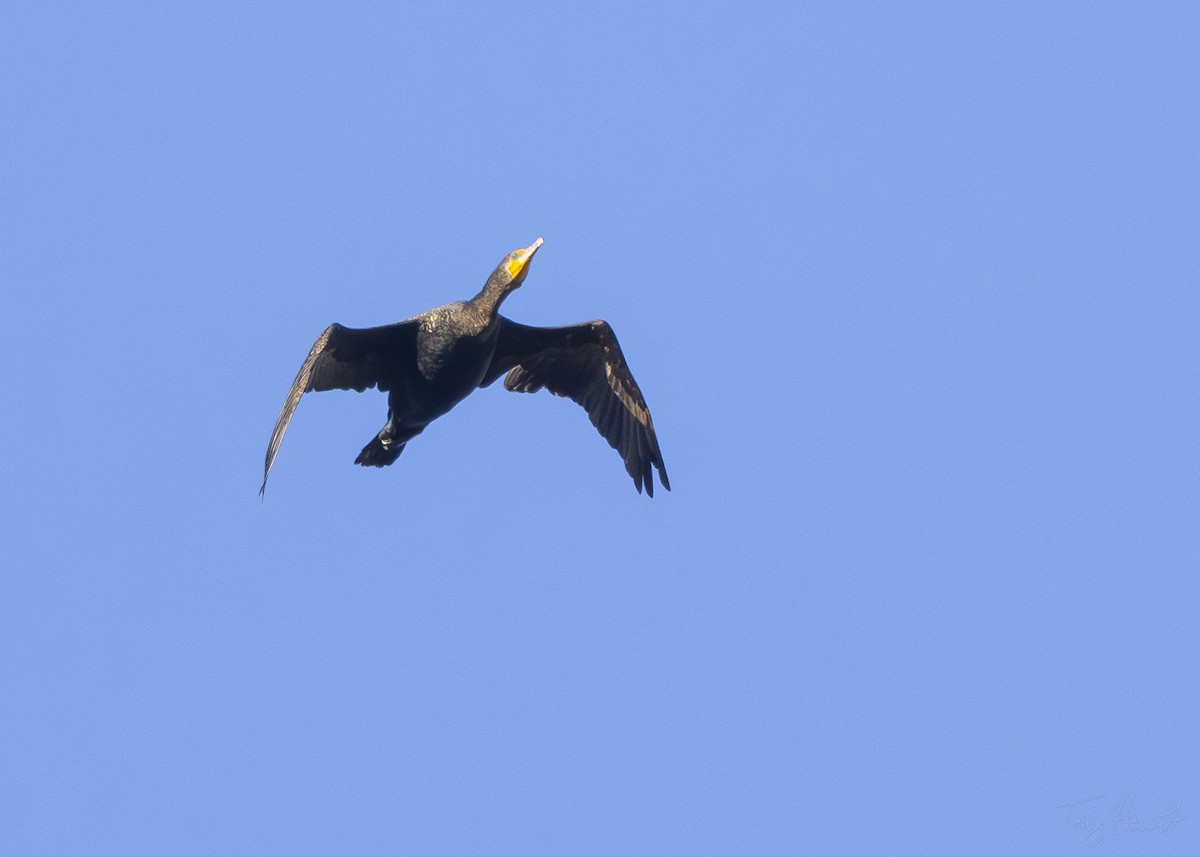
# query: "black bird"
[431,362]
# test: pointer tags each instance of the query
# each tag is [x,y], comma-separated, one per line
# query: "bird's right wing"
[584,363]
[345,358]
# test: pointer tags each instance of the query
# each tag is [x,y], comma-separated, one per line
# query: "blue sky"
[911,290]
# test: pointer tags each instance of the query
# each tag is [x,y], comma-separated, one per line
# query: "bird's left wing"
[584,363]
[345,358]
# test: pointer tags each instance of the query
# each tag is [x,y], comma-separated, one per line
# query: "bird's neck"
[489,299]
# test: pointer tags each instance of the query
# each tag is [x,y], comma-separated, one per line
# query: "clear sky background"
[911,289]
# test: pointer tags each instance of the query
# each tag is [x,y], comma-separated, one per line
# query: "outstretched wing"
[345,358]
[584,363]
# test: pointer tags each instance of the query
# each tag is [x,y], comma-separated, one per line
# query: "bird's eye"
[515,254]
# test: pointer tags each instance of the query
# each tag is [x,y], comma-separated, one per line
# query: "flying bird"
[431,362]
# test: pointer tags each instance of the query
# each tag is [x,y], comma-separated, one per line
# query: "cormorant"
[431,362]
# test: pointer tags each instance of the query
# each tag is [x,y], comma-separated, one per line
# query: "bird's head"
[512,269]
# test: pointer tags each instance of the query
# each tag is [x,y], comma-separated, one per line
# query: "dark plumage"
[431,362]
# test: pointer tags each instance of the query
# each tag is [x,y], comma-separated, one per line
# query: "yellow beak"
[519,259]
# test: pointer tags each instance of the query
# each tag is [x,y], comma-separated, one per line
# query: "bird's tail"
[378,454]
